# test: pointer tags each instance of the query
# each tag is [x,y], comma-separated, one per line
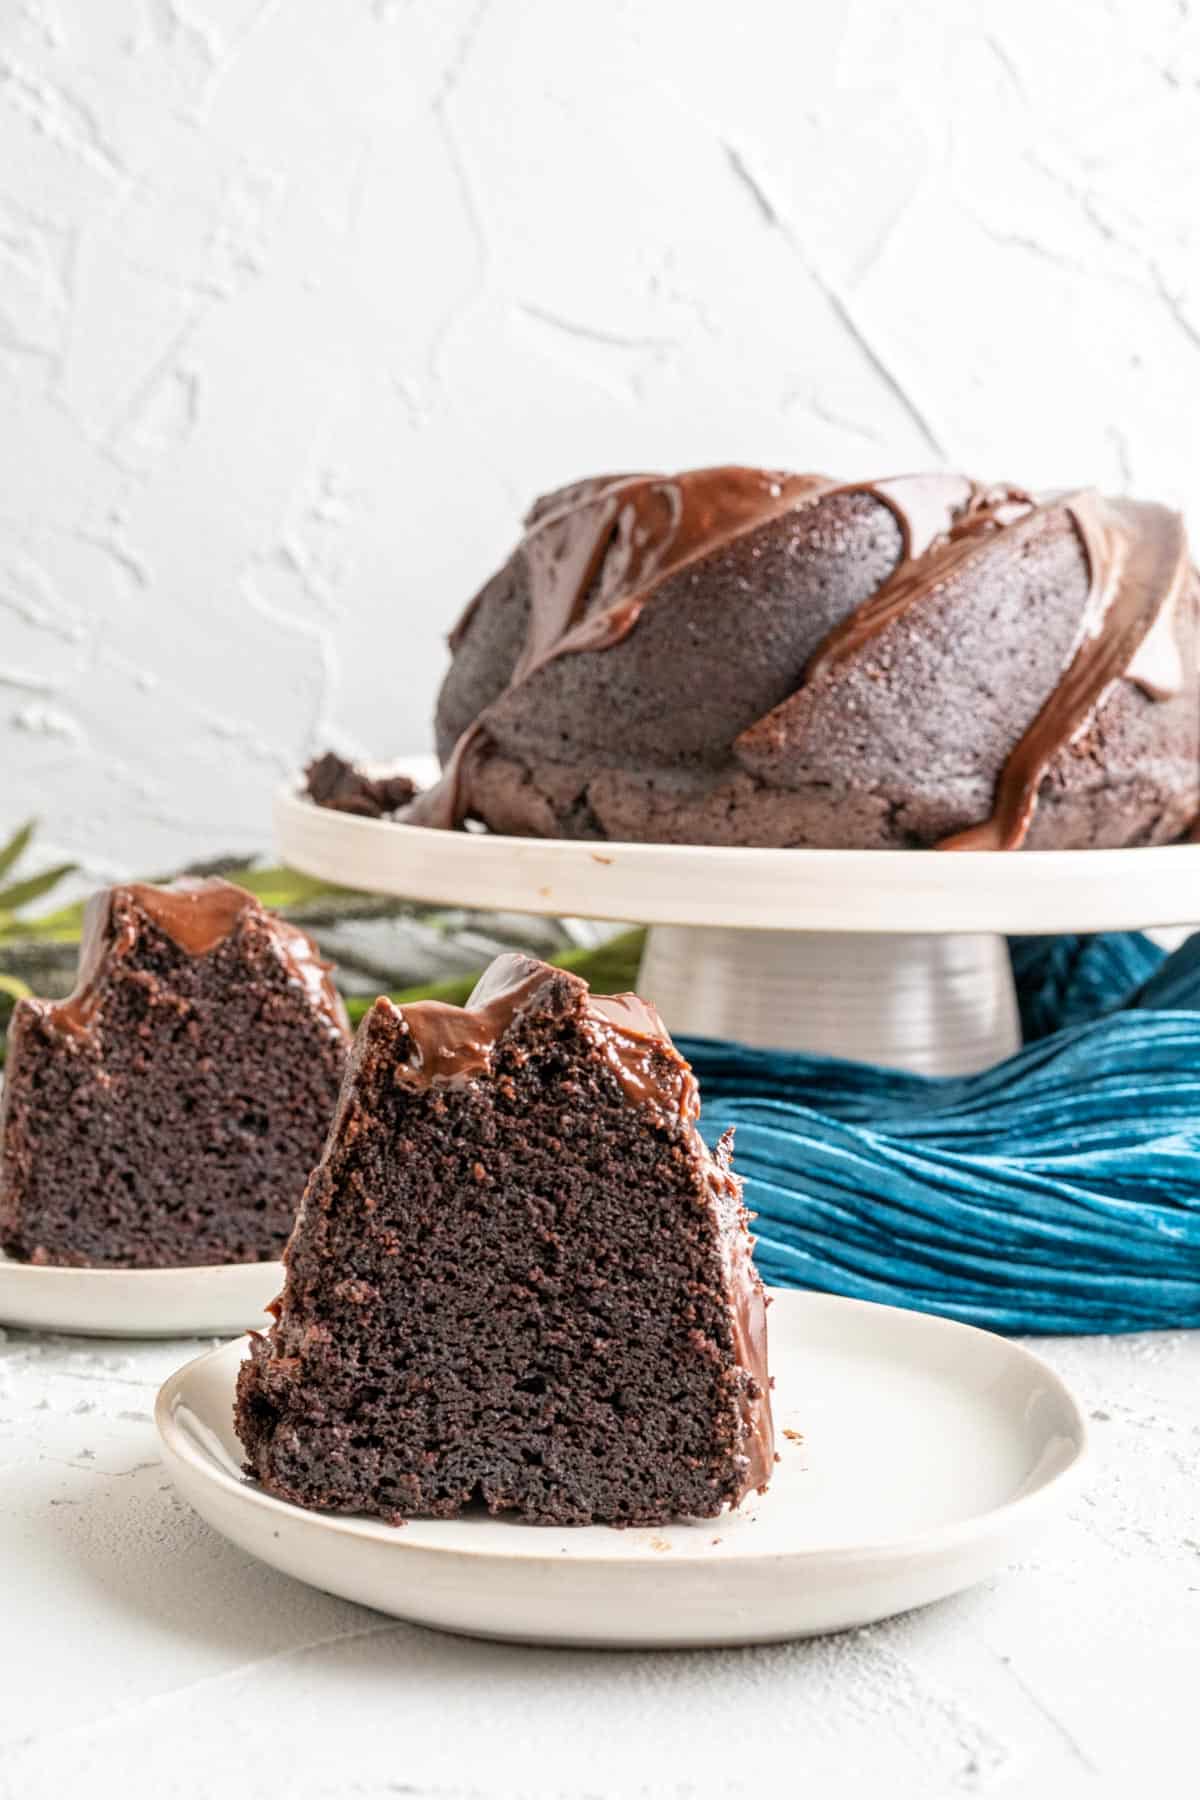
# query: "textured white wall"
[301,301]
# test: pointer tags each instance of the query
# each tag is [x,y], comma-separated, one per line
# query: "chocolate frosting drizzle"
[197,915]
[1138,568]
[453,1045]
[596,552]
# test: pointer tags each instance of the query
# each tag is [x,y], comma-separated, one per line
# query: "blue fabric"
[1056,1192]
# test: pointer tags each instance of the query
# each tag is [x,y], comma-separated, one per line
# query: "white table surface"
[142,1655]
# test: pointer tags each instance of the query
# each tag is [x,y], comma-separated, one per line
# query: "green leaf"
[16,990]
[285,887]
[12,852]
[62,926]
[22,892]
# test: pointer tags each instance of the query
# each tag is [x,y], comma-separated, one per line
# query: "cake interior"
[513,1292]
[170,1113]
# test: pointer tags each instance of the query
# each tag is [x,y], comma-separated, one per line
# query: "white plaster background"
[300,303]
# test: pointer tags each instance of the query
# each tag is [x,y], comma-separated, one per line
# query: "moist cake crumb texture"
[519,1279]
[168,1112]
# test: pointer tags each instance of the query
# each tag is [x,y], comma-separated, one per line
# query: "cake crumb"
[659,1544]
[793,1437]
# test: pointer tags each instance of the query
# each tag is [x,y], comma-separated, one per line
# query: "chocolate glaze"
[749,1319]
[925,507]
[197,915]
[1138,564]
[595,555]
[100,936]
[639,1051]
[311,970]
[596,552]
[453,1045]
[967,530]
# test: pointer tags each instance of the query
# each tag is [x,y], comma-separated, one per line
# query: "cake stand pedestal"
[895,957]
[912,1000]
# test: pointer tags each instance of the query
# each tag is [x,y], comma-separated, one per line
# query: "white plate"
[206,1302]
[780,890]
[931,1454]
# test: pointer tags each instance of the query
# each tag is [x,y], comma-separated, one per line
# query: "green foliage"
[278,888]
[16,846]
[19,894]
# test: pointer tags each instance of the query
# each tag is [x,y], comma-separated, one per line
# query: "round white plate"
[772,890]
[916,1457]
[208,1302]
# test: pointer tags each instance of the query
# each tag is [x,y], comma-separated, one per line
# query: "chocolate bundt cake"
[734,656]
[518,1277]
[170,1110]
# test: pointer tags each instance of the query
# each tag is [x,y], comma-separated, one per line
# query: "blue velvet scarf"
[1056,1192]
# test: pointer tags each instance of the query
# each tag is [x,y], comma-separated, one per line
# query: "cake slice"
[170,1110]
[518,1277]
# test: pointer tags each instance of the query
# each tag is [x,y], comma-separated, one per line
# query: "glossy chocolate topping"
[606,550]
[99,936]
[315,975]
[455,1044]
[595,553]
[638,1049]
[197,915]
[967,529]
[750,1349]
[749,1306]
[1138,568]
[594,557]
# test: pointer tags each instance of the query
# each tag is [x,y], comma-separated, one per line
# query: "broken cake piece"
[340,786]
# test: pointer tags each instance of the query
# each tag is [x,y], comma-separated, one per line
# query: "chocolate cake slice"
[170,1110]
[518,1278]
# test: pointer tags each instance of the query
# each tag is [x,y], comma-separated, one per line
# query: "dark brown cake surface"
[169,1111]
[741,656]
[518,1278]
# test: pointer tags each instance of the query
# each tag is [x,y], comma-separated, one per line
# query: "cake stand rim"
[842,892]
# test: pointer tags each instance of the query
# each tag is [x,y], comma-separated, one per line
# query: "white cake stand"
[893,957]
